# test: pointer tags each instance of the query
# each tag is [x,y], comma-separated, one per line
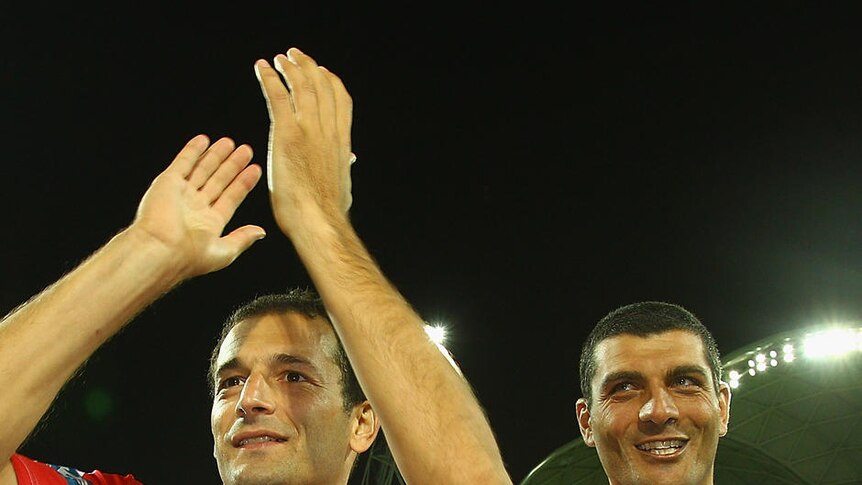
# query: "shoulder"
[32,472]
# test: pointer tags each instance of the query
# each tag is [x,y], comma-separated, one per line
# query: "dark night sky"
[522,171]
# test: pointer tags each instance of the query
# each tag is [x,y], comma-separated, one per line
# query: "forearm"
[45,340]
[434,425]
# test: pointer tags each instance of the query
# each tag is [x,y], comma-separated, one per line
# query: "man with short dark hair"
[297,300]
[653,403]
[279,414]
[289,339]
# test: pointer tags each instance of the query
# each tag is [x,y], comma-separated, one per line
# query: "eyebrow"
[688,369]
[275,359]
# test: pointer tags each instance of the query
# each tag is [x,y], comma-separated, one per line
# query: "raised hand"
[308,164]
[401,371]
[189,204]
[176,235]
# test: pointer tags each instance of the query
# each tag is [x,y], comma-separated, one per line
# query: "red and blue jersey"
[32,472]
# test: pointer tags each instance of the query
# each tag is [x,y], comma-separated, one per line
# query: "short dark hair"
[304,302]
[644,319]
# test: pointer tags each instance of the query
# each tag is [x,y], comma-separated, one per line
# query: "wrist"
[309,218]
[312,228]
[161,261]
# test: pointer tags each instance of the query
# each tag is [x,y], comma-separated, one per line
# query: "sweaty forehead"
[652,353]
[289,333]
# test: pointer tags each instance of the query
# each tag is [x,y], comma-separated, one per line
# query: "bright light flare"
[437,333]
[734,379]
[832,343]
[817,345]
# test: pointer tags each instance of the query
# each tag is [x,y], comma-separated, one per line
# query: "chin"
[677,475]
[254,475]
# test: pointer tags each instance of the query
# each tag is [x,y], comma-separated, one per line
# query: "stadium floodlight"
[788,353]
[734,379]
[831,343]
[819,344]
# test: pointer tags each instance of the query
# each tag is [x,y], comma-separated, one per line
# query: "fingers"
[210,161]
[188,156]
[344,110]
[326,101]
[278,100]
[226,172]
[318,91]
[299,72]
[222,174]
[210,168]
[236,191]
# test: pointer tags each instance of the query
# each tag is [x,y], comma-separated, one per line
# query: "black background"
[522,171]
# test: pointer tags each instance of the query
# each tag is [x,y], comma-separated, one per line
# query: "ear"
[723,407]
[364,427]
[583,412]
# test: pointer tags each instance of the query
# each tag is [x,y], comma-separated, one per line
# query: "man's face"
[278,415]
[655,417]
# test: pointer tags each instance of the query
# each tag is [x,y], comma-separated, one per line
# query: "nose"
[659,409]
[256,397]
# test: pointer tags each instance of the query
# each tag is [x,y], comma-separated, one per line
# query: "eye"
[230,382]
[623,387]
[686,381]
[291,376]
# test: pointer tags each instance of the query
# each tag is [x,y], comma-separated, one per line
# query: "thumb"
[238,241]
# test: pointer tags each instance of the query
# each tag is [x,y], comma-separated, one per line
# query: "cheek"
[611,423]
[704,412]
[298,404]
[307,402]
[220,418]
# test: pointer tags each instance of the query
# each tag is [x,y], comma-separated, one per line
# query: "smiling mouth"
[662,448]
[259,440]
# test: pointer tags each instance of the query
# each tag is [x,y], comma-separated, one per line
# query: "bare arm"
[175,235]
[434,424]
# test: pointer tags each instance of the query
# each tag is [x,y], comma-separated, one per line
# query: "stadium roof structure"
[795,416]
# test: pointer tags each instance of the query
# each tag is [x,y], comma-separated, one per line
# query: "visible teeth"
[662,447]
[257,439]
[663,451]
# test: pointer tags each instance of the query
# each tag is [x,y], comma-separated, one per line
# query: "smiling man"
[284,408]
[286,405]
[654,406]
